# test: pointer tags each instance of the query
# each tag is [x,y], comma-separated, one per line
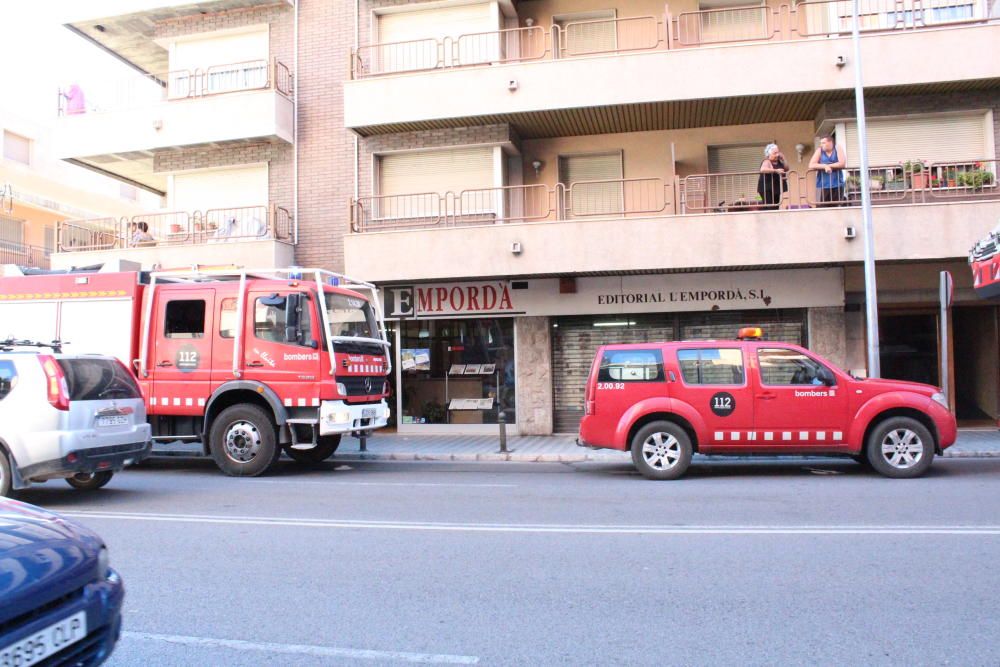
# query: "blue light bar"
[333,280]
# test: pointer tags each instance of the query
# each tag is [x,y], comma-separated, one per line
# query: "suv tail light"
[55,382]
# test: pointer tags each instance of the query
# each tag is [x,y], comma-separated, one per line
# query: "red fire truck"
[984,258]
[245,362]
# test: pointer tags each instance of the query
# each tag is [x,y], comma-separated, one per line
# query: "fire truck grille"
[367,385]
[986,248]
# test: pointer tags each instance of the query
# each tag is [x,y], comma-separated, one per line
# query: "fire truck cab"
[247,363]
[665,401]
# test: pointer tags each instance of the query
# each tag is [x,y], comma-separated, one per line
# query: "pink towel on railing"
[75,103]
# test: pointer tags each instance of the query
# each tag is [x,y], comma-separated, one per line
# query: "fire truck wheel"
[243,441]
[900,447]
[661,450]
[6,479]
[90,481]
[325,447]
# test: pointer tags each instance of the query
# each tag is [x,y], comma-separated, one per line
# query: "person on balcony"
[75,102]
[828,161]
[141,238]
[773,179]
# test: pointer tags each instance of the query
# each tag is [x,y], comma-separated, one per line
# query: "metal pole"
[871,303]
[945,296]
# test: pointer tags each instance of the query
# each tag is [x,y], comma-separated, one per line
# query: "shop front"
[468,352]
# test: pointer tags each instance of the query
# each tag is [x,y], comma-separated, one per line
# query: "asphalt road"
[539,564]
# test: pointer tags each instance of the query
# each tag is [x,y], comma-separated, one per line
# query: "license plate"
[112,421]
[40,645]
[368,413]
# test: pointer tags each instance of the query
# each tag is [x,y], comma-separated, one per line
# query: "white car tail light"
[55,383]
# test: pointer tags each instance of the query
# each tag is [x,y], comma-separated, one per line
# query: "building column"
[533,355]
[828,334]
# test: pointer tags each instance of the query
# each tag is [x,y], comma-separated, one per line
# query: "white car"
[75,417]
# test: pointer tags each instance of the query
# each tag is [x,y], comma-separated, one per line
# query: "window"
[712,366]
[587,32]
[595,183]
[631,366]
[16,148]
[270,319]
[410,184]
[933,138]
[788,367]
[8,378]
[227,318]
[349,316]
[185,319]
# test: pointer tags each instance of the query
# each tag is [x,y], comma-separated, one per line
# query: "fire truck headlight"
[940,398]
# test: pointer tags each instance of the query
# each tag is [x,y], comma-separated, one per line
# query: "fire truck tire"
[243,441]
[325,447]
[661,450]
[90,481]
[6,477]
[900,447]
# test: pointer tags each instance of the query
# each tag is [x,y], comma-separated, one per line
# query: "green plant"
[976,179]
[851,182]
[913,166]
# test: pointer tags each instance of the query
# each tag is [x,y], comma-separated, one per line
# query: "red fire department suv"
[664,401]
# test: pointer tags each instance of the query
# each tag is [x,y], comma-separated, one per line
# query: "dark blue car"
[60,602]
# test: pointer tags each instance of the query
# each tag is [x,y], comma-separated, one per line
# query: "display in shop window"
[415,359]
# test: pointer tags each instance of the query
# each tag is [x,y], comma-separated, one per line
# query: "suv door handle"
[163,364]
[766,397]
[255,364]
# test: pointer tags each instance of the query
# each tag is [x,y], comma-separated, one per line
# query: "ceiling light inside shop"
[621,323]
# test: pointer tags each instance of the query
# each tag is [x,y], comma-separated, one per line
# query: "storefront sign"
[731,290]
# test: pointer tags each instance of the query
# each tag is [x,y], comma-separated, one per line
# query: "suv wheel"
[6,477]
[661,450]
[326,445]
[243,441]
[90,481]
[900,447]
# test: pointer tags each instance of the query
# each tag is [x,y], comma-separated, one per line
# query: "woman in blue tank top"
[828,161]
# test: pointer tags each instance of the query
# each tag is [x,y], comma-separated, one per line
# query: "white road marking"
[306,649]
[538,528]
[406,484]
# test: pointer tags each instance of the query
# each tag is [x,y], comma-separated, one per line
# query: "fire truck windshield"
[350,317]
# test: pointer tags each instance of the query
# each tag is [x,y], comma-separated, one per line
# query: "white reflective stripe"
[803,435]
[786,436]
[188,402]
[152,400]
[288,402]
[752,435]
[837,435]
[736,435]
[177,402]
[315,402]
[821,435]
[768,435]
[302,402]
[719,435]
[201,402]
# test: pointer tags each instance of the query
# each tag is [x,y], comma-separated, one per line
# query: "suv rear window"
[711,366]
[98,379]
[631,366]
[8,375]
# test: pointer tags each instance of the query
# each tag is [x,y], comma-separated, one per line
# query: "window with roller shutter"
[594,183]
[587,32]
[411,185]
[943,138]
[742,162]
[429,38]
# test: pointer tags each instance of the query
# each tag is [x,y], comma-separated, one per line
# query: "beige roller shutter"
[588,32]
[928,138]
[220,188]
[743,163]
[411,184]
[732,24]
[423,32]
[589,198]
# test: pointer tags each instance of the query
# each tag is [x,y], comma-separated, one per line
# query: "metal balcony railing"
[179,85]
[708,27]
[24,255]
[178,228]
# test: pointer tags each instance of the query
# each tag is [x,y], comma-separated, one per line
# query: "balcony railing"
[707,27]
[969,180]
[179,85]
[24,255]
[178,228]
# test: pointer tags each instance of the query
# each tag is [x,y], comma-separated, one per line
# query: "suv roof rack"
[9,344]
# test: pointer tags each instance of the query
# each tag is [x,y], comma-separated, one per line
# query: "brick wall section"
[919,104]
[443,138]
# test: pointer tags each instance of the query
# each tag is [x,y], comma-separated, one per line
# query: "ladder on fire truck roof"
[199,274]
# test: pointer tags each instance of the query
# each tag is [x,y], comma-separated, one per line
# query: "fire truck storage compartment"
[575,341]
[85,325]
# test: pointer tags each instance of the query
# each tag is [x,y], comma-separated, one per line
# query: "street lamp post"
[871,299]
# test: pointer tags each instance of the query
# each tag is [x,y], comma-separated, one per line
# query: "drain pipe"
[357,148]
[295,122]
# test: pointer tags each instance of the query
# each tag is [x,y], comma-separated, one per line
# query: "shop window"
[716,366]
[787,367]
[185,319]
[457,371]
[631,366]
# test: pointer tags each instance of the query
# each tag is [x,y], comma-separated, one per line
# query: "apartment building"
[528,180]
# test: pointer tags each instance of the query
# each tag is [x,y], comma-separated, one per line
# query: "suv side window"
[631,366]
[185,319]
[712,365]
[8,378]
[788,367]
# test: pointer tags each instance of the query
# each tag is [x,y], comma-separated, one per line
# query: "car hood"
[42,557]
[884,385]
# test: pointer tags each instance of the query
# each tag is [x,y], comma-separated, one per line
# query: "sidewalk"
[560,448]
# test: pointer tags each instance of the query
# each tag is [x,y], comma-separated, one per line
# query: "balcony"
[24,255]
[533,74]
[118,132]
[249,235]
[701,221]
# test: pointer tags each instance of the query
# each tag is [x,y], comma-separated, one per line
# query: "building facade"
[528,180]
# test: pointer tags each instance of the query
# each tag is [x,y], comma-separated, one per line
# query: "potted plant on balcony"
[895,179]
[976,179]
[950,177]
[919,178]
[875,183]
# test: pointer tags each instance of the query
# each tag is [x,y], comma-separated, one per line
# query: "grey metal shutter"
[574,344]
